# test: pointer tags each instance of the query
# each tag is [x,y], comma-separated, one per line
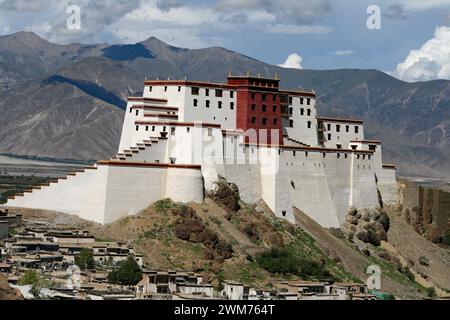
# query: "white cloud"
[431,61]
[293,61]
[425,4]
[296,29]
[343,52]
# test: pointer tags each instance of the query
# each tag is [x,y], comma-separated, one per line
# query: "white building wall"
[300,131]
[336,134]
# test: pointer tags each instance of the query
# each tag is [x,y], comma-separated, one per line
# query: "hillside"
[224,238]
[68,97]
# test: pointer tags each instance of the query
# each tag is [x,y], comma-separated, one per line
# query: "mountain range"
[67,101]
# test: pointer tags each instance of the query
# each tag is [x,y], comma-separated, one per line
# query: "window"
[172,131]
[194,91]
[354,147]
[338,146]
[338,128]
[165,89]
[328,127]
[324,155]
[219,104]
[207,103]
[263,97]
[302,100]
[347,128]
[309,124]
[291,123]
[219,93]
[131,109]
[231,94]
[264,121]
[302,111]
[207,92]
[338,155]
[264,108]
[137,128]
[275,121]
[146,128]
[291,110]
[372,147]
[356,129]
[329,136]
[253,107]
[309,112]
[253,96]
[290,100]
[150,88]
[179,88]
[153,128]
[253,119]
[195,102]
[274,98]
[231,105]
[308,101]
[164,129]
[137,112]
[274,108]
[306,153]
[188,129]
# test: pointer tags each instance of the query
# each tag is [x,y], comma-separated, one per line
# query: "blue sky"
[318,34]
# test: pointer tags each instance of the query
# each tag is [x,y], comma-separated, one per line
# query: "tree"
[37,282]
[126,273]
[85,259]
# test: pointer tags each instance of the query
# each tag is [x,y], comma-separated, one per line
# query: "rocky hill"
[68,98]
[225,238]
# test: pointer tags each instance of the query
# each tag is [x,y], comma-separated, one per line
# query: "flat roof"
[342,120]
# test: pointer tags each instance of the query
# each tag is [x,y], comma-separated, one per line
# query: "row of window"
[208,104]
[302,101]
[264,108]
[264,96]
[291,124]
[338,128]
[217,92]
[264,121]
[302,111]
[338,155]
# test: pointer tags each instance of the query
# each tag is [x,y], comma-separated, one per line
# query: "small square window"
[195,102]
[264,108]
[302,111]
[146,128]
[194,91]
[347,128]
[253,119]
[308,101]
[150,88]
[329,136]
[179,88]
[274,108]
[338,128]
[253,96]
[302,100]
[264,121]
[231,105]
[165,89]
[231,94]
[275,121]
[137,128]
[219,93]
[328,127]
[309,124]
[290,100]
[153,128]
[263,97]
[356,129]
[219,104]
[207,103]
[207,92]
[137,112]
[253,107]
[291,123]
[309,112]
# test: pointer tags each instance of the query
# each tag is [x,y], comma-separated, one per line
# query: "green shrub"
[423,261]
[286,261]
[446,238]
[126,273]
[431,292]
[85,259]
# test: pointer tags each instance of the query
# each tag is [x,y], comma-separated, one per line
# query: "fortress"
[181,136]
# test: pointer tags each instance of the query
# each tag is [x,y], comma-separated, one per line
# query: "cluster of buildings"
[179,137]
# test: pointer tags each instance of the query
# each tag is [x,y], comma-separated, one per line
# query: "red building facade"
[258,108]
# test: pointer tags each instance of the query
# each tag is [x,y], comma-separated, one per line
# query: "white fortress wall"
[82,195]
[308,186]
[132,188]
[364,187]
[274,183]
